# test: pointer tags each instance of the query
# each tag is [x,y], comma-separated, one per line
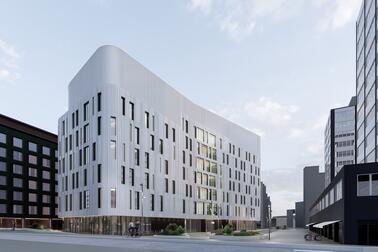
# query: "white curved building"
[131,146]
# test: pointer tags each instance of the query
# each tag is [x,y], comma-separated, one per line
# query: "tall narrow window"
[113,198]
[136,152]
[99,197]
[113,149]
[147,119]
[85,177]
[152,202]
[86,111]
[113,126]
[147,180]
[131,176]
[166,131]
[166,167]
[132,111]
[161,146]
[99,173]
[98,102]
[147,160]
[186,126]
[173,135]
[77,117]
[94,151]
[161,203]
[152,142]
[173,187]
[123,175]
[99,125]
[137,135]
[123,105]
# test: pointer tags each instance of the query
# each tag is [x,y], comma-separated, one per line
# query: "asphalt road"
[67,242]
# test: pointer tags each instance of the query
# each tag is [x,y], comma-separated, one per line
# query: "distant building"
[313,185]
[290,217]
[27,175]
[265,207]
[299,214]
[279,221]
[339,139]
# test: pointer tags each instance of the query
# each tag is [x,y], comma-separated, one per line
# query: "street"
[282,241]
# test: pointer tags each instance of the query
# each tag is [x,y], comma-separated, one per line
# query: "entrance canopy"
[325,223]
[309,224]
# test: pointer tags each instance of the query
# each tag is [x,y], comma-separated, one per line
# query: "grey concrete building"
[339,140]
[313,186]
[290,216]
[265,208]
[299,214]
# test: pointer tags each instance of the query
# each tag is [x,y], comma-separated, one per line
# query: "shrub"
[37,226]
[228,229]
[218,231]
[173,229]
[245,233]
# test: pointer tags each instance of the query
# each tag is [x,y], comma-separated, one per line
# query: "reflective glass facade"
[366,88]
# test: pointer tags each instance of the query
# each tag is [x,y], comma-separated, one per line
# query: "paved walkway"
[58,242]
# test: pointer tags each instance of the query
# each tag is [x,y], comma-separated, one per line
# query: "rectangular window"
[86,133]
[113,198]
[17,155]
[137,200]
[17,142]
[77,117]
[161,203]
[166,131]
[137,135]
[17,169]
[131,176]
[93,151]
[99,125]
[3,152]
[131,110]
[363,187]
[99,173]
[86,111]
[3,138]
[161,147]
[166,167]
[152,202]
[173,187]
[147,119]
[113,149]
[32,147]
[152,142]
[147,160]
[173,135]
[98,102]
[374,184]
[147,180]
[166,185]
[85,177]
[123,105]
[136,152]
[99,197]
[123,175]
[113,126]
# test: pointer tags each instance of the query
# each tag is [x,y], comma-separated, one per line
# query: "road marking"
[310,250]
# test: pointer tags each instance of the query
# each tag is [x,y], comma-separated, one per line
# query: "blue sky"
[275,67]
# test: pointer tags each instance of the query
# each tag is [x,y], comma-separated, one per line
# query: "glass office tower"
[366,89]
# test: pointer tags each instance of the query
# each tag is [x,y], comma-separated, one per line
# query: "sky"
[275,67]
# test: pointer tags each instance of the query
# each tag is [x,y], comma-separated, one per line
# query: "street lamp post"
[269,219]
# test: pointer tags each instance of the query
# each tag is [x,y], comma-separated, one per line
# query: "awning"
[309,224]
[322,224]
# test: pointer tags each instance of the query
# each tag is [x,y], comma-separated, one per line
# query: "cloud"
[337,13]
[240,18]
[267,111]
[9,58]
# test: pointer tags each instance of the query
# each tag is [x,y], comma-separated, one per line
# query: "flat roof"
[27,128]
